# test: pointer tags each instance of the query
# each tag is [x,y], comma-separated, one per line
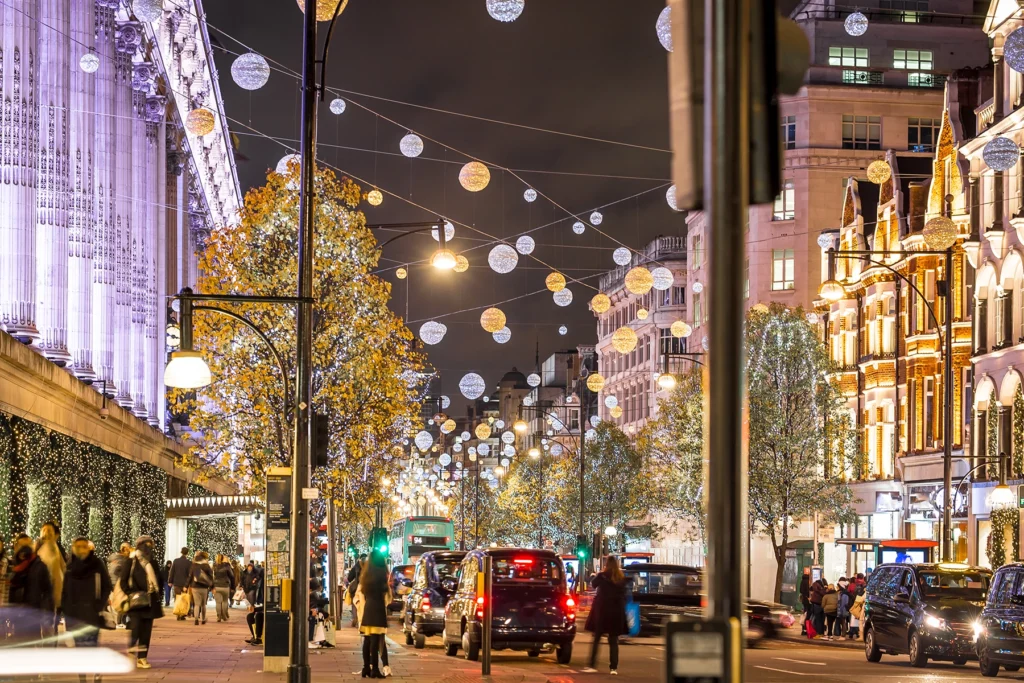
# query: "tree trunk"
[780,559]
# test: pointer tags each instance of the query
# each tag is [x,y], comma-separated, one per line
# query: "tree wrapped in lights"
[802,446]
[363,355]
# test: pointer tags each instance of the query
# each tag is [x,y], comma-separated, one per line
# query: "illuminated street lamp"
[443,259]
[831,290]
[520,426]
[534,452]
[610,531]
[666,382]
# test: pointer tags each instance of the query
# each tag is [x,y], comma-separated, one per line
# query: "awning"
[213,506]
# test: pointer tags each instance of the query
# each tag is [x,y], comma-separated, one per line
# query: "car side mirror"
[449,584]
[901,597]
[1017,599]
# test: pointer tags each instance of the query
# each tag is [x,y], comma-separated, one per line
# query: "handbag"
[319,635]
[182,602]
[239,595]
[137,599]
[107,619]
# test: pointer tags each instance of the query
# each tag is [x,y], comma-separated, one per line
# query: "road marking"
[784,671]
[798,661]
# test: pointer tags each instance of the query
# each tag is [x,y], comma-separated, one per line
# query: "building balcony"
[875,77]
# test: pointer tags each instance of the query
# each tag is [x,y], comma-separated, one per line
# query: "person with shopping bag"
[141,584]
[608,613]
[182,605]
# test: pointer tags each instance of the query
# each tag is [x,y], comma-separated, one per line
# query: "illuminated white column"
[142,75]
[82,208]
[53,192]
[19,156]
[105,243]
[155,166]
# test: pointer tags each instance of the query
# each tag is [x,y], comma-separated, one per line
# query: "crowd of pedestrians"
[832,611]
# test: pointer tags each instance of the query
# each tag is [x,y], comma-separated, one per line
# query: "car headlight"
[979,629]
[934,622]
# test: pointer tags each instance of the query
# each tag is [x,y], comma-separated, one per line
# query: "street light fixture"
[666,382]
[831,290]
[520,426]
[534,452]
[187,370]
[610,531]
[443,259]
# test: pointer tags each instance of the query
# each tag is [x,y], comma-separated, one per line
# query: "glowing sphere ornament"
[562,297]
[424,440]
[663,27]
[595,382]
[411,145]
[698,287]
[879,171]
[432,332]
[445,402]
[200,121]
[482,431]
[611,401]
[472,387]
[148,10]
[596,218]
[600,303]
[856,24]
[641,314]
[704,343]
[502,259]
[1001,154]
[533,379]
[492,319]
[444,459]
[508,437]
[1013,50]
[250,71]
[939,233]
[662,278]
[374,197]
[556,449]
[324,8]
[590,434]
[563,330]
[624,339]
[449,232]
[555,282]
[448,426]
[89,63]
[401,273]
[616,412]
[474,176]
[502,336]
[622,256]
[461,264]
[527,401]
[530,195]
[525,245]
[670,195]
[505,10]
[639,280]
[286,161]
[579,227]
[483,449]
[680,329]
[825,241]
[338,106]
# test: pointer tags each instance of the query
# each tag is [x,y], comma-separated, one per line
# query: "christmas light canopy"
[856,24]
[555,282]
[89,63]
[474,176]
[1001,153]
[624,339]
[432,332]
[939,233]
[200,121]
[472,387]
[662,278]
[530,195]
[579,227]
[492,319]
[502,259]
[879,171]
[505,10]
[533,379]
[596,218]
[562,297]
[680,329]
[503,335]
[663,27]
[639,280]
[411,145]
[338,106]
[622,256]
[525,245]
[250,71]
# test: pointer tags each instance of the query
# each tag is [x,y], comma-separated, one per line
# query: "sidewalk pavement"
[217,652]
[795,637]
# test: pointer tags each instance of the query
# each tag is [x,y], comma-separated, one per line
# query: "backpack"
[844,604]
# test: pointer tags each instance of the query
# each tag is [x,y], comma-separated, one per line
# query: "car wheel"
[564,654]
[420,641]
[985,663]
[408,638]
[917,656]
[471,649]
[959,662]
[871,651]
[756,633]
[451,649]
[533,653]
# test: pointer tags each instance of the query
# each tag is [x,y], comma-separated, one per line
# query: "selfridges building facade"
[105,197]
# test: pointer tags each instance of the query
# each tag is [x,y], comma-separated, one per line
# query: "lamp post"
[442,259]
[832,290]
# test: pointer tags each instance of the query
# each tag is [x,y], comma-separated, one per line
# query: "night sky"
[586,67]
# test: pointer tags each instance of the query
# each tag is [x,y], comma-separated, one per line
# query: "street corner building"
[110,183]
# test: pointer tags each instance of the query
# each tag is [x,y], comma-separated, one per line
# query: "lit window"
[783,269]
[907,11]
[852,57]
[912,60]
[789,132]
[862,132]
[785,203]
[922,134]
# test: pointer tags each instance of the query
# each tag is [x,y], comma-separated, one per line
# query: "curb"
[844,644]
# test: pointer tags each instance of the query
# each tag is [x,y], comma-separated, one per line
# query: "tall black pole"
[947,427]
[726,174]
[298,662]
[462,507]
[540,510]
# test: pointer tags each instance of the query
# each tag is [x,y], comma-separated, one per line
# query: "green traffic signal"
[383,549]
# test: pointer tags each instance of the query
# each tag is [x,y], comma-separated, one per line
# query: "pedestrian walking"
[607,613]
[86,590]
[117,565]
[805,602]
[223,587]
[236,570]
[53,557]
[200,583]
[353,584]
[373,595]
[254,596]
[31,596]
[141,584]
[181,571]
[166,577]
[857,614]
[818,588]
[843,611]
[830,606]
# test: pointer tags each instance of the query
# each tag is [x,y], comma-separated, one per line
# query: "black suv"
[434,580]
[531,608]
[925,610]
[1000,629]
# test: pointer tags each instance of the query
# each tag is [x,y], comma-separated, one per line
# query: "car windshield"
[526,568]
[665,583]
[972,585]
[405,570]
[446,568]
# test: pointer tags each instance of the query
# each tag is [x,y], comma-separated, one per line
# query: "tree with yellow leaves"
[365,367]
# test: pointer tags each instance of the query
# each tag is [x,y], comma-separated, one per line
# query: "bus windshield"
[413,536]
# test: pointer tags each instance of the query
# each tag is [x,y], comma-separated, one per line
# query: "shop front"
[984,535]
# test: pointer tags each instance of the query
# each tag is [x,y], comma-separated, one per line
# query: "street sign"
[702,651]
[310,493]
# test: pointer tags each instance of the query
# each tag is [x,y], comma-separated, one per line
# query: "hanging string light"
[432,332]
[505,10]
[641,314]
[579,227]
[472,387]
[663,27]
[530,195]
[555,282]
[624,339]
[596,218]
[250,71]
[616,412]
[338,106]
[1001,153]
[461,264]
[639,280]
[1013,50]
[449,232]
[595,382]
[670,195]
[423,440]
[610,401]
[662,278]
[411,145]
[600,303]
[374,197]
[503,335]
[939,233]
[148,10]
[492,319]
[200,121]
[474,176]
[622,256]
[89,63]
[324,8]
[879,171]
[563,330]
[680,329]
[562,297]
[502,259]
[856,24]
[482,431]
[525,245]
[533,379]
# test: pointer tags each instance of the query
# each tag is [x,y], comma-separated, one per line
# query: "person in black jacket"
[31,596]
[353,584]
[254,596]
[181,570]
[140,579]
[375,593]
[87,588]
[608,613]
[200,582]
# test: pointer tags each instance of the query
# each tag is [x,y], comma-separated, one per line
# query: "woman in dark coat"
[375,594]
[608,613]
[31,595]
[87,588]
[142,575]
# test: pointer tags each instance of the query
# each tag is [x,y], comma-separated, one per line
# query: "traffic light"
[582,548]
[352,549]
[379,540]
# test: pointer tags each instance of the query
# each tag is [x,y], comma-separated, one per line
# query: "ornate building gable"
[948,171]
[851,234]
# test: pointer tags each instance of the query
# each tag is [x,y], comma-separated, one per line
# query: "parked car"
[399,573]
[927,611]
[531,608]
[1000,629]
[434,581]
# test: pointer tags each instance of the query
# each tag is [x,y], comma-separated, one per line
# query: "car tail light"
[523,560]
[480,607]
[425,605]
[570,607]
